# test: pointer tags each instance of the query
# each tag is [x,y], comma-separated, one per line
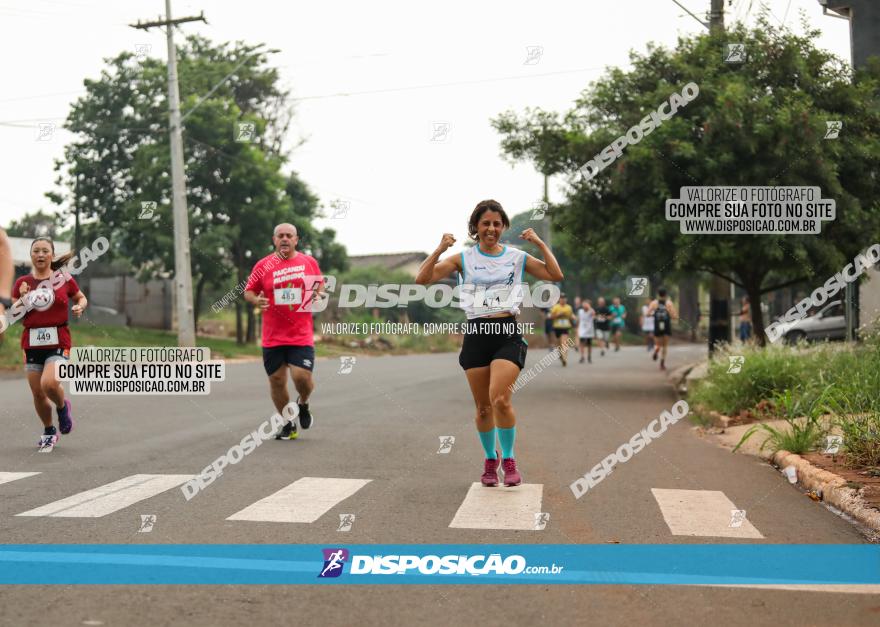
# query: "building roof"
[21,249]
[391,261]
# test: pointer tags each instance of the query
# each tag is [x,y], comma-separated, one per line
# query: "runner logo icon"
[334,561]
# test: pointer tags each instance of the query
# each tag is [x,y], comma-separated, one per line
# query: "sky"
[393,100]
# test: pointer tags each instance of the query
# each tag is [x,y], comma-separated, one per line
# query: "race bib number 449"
[44,336]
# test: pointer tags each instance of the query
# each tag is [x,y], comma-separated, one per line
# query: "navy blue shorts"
[299,356]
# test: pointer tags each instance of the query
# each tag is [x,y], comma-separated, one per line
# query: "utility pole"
[864,20]
[76,208]
[186,333]
[716,16]
[720,290]
[548,234]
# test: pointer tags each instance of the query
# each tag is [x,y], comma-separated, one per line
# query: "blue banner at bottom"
[439,564]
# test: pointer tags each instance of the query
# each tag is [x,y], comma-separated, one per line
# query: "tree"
[235,118]
[320,243]
[582,269]
[759,123]
[37,224]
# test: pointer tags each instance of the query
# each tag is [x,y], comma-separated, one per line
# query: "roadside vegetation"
[813,388]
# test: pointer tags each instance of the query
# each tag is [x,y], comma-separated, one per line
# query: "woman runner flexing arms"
[45,338]
[493,351]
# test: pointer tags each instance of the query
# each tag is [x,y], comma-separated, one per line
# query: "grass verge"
[799,384]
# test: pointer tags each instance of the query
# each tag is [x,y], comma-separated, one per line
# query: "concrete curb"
[830,487]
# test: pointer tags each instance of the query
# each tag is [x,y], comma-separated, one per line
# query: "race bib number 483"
[288,295]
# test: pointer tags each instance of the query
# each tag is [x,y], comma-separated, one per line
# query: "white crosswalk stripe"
[701,513]
[110,498]
[686,512]
[6,477]
[499,508]
[303,501]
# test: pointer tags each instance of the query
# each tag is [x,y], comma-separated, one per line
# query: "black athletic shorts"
[299,356]
[35,358]
[561,332]
[586,341]
[486,339]
[659,333]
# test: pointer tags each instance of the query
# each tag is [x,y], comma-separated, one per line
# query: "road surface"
[373,453]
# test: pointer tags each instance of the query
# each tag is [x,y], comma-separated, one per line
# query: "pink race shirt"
[290,285]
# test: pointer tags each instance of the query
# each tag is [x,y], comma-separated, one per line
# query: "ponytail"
[62,260]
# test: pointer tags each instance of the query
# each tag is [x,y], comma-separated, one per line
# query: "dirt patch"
[764,410]
[866,480]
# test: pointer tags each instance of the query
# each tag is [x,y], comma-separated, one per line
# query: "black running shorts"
[35,359]
[658,332]
[487,339]
[299,356]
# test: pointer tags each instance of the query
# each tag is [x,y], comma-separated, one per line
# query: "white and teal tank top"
[491,284]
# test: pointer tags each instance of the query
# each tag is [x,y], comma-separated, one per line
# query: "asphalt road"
[383,422]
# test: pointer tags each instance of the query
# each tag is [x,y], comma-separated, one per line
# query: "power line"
[785,17]
[770,11]
[217,86]
[688,11]
[57,93]
[367,92]
[449,84]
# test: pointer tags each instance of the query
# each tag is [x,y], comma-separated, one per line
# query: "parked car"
[829,323]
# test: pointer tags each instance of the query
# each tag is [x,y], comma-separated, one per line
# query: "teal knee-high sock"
[507,438]
[487,439]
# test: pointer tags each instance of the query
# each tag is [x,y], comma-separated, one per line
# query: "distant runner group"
[605,324]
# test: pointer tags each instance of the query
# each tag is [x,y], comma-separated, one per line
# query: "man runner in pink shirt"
[284,285]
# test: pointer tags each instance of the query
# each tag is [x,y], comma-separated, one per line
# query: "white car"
[829,323]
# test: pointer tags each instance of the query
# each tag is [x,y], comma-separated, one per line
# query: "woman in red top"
[45,338]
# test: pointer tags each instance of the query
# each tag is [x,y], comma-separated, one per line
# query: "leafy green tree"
[236,191]
[758,123]
[37,224]
[583,271]
[320,243]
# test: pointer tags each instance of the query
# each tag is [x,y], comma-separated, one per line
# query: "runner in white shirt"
[586,330]
[493,350]
[648,327]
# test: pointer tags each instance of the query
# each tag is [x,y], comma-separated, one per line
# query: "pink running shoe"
[65,418]
[490,471]
[511,474]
